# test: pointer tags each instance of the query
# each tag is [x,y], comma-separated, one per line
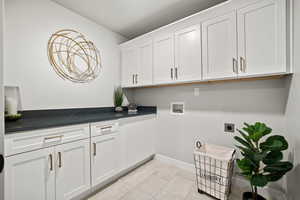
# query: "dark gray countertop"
[40,119]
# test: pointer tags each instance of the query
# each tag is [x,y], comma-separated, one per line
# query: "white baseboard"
[180,164]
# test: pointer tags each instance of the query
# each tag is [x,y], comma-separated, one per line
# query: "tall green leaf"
[259,180]
[275,143]
[273,157]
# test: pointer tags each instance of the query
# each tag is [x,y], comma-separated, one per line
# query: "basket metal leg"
[200,191]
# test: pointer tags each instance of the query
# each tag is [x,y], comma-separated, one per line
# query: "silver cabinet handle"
[106,127]
[136,79]
[95,149]
[176,73]
[53,137]
[51,162]
[243,64]
[172,73]
[132,78]
[234,62]
[59,160]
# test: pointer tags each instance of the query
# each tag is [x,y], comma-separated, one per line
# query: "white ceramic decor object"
[12,106]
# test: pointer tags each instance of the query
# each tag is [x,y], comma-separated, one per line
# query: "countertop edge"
[15,130]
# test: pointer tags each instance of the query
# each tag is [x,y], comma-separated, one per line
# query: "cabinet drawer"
[31,140]
[104,128]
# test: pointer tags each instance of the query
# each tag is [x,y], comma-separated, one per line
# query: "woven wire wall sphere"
[73,57]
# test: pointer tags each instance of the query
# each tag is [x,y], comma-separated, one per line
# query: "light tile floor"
[153,181]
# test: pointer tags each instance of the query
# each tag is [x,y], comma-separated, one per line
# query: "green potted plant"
[262,160]
[118,99]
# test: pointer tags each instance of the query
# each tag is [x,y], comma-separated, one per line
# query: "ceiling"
[132,18]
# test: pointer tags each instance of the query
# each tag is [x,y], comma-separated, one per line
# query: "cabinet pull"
[136,79]
[95,149]
[234,62]
[242,64]
[51,162]
[59,160]
[106,127]
[53,137]
[172,73]
[132,78]
[176,73]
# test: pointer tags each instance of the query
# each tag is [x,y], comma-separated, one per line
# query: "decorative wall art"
[73,57]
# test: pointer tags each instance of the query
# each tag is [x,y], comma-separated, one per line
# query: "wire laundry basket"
[214,168]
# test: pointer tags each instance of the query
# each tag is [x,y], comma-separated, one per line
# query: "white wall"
[1,98]
[29,25]
[235,102]
[206,114]
[293,111]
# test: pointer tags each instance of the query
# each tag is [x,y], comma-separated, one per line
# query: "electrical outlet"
[229,127]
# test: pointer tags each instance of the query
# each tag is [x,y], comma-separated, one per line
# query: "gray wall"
[206,114]
[40,87]
[293,111]
[1,97]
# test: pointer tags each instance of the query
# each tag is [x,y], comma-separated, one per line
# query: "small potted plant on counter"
[262,160]
[118,99]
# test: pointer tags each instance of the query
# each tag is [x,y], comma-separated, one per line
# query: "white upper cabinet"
[220,47]
[261,38]
[145,68]
[188,54]
[235,40]
[30,176]
[129,66]
[72,169]
[164,66]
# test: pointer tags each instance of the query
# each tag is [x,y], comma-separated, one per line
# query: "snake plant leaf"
[275,143]
[273,157]
[279,167]
[259,180]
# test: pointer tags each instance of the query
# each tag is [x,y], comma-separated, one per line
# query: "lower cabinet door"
[30,176]
[104,158]
[72,169]
[139,140]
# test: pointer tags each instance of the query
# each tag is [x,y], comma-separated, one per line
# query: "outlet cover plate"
[229,127]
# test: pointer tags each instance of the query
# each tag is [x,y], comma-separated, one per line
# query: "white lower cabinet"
[72,169]
[104,158]
[61,173]
[64,171]
[30,176]
[138,143]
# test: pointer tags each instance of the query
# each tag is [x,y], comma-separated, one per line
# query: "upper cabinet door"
[220,47]
[188,54]
[261,37]
[164,59]
[145,68]
[72,169]
[30,176]
[129,66]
